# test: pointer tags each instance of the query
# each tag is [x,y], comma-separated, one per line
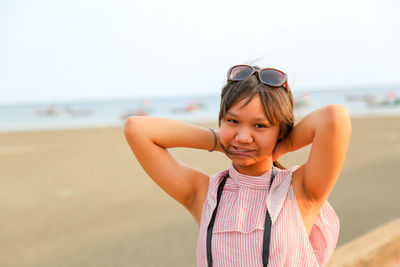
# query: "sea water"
[110,113]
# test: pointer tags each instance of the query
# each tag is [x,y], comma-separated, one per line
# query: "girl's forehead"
[247,110]
[248,105]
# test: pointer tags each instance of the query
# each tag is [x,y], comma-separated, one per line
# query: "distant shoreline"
[194,121]
[201,108]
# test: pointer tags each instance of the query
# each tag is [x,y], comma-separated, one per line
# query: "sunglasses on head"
[269,76]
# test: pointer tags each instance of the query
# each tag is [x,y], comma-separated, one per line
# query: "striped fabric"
[239,223]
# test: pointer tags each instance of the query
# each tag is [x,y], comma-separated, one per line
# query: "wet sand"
[79,198]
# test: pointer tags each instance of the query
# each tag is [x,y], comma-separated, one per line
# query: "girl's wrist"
[218,148]
[215,140]
[215,143]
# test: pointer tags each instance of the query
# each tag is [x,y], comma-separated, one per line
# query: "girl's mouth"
[241,151]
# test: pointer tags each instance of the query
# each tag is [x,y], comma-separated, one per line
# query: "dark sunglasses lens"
[272,77]
[240,73]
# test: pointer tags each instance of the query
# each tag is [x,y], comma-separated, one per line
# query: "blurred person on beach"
[256,213]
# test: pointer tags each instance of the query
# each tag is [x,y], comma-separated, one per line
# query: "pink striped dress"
[238,230]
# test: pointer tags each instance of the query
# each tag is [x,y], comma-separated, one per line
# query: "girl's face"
[249,137]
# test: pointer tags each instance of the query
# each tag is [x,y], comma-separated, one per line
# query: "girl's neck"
[253,170]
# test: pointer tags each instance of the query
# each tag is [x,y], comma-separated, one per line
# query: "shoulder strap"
[267,227]
[211,225]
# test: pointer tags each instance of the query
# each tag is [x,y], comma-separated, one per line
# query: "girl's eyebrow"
[230,113]
[261,119]
[264,121]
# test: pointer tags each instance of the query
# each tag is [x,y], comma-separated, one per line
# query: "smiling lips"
[241,151]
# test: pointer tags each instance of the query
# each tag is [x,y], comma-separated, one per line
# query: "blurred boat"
[360,97]
[390,100]
[133,112]
[302,101]
[190,107]
[78,112]
[49,111]
[143,110]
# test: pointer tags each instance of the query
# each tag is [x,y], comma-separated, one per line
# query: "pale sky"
[58,50]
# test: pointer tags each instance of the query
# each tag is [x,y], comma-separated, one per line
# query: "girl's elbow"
[131,127]
[338,118]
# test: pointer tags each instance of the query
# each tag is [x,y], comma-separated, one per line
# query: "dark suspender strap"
[267,228]
[211,225]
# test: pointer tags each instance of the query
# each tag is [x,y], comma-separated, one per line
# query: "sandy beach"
[79,198]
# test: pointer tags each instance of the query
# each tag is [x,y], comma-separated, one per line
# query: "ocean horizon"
[191,108]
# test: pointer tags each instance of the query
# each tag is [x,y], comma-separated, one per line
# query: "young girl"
[253,214]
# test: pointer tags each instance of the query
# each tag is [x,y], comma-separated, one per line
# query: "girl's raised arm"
[329,131]
[149,139]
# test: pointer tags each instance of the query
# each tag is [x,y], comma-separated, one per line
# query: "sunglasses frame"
[254,69]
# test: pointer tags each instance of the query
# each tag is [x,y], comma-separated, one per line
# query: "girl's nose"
[244,136]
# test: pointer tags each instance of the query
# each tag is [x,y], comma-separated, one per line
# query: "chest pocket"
[241,210]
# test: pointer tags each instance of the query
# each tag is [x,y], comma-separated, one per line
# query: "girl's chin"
[242,161]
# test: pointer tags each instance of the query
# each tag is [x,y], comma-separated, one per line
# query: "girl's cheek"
[224,134]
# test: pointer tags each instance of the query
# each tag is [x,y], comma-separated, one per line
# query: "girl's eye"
[232,121]
[260,126]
